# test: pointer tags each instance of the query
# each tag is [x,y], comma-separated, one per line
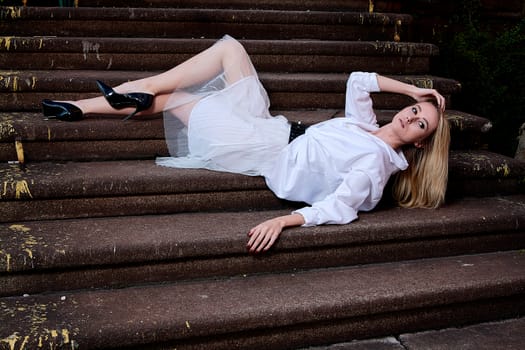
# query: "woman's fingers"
[258,241]
[440,100]
[257,236]
[261,238]
[437,96]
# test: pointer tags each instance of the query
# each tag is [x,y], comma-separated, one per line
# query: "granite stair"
[102,249]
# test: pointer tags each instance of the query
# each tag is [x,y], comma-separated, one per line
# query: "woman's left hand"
[264,235]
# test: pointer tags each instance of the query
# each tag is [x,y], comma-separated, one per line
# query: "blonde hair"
[424,183]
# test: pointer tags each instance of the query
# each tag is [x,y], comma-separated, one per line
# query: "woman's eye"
[421,125]
[414,110]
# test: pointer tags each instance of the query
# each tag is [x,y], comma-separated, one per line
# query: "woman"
[216,117]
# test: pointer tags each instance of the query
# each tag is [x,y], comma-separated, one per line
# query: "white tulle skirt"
[229,127]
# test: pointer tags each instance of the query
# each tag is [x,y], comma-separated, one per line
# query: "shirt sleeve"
[341,206]
[358,103]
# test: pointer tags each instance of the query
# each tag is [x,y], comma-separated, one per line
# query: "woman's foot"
[61,110]
[140,100]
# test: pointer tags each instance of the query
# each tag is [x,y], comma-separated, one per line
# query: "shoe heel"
[141,101]
[131,115]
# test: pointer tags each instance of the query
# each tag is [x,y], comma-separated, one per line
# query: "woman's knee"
[234,48]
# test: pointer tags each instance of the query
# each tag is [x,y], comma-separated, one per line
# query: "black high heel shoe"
[141,101]
[61,110]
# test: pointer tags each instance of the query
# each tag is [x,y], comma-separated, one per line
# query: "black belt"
[297,129]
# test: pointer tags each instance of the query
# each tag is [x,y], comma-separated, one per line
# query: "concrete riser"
[202,23]
[360,328]
[107,277]
[24,91]
[118,252]
[108,138]
[289,309]
[299,5]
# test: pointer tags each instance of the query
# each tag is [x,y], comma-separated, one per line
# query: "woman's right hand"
[422,94]
[417,93]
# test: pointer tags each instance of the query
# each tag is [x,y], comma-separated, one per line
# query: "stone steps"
[100,248]
[108,138]
[502,334]
[24,90]
[205,23]
[305,5]
[162,54]
[277,311]
[506,334]
[55,255]
[114,188]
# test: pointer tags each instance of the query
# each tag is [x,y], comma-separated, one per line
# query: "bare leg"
[202,67]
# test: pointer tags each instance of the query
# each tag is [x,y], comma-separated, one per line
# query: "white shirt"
[338,166]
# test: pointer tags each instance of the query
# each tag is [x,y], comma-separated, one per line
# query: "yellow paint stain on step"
[24,343]
[22,189]
[425,83]
[15,83]
[29,253]
[19,228]
[65,336]
[6,41]
[19,147]
[7,260]
[6,129]
[11,81]
[12,12]
[11,340]
[503,168]
[24,248]
[52,337]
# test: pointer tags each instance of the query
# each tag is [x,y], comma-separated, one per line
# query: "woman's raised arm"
[417,93]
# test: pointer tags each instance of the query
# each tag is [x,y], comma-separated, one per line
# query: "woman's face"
[415,123]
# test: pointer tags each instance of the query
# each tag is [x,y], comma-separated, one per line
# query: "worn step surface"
[277,311]
[280,310]
[503,334]
[108,138]
[56,255]
[302,5]
[507,334]
[19,53]
[113,188]
[207,23]
[24,90]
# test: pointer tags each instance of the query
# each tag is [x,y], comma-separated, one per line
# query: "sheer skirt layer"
[229,127]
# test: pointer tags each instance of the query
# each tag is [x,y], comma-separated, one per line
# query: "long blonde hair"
[424,183]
